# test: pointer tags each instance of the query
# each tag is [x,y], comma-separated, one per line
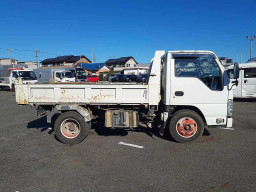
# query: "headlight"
[230,107]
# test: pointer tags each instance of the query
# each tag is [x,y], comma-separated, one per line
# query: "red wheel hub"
[70,128]
[186,127]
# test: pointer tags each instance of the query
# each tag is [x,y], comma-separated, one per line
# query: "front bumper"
[229,122]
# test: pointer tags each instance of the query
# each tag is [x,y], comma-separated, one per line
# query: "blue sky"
[125,28]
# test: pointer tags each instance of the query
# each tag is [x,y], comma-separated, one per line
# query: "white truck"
[79,73]
[246,87]
[54,74]
[9,75]
[185,92]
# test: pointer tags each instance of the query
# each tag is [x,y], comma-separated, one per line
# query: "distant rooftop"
[62,59]
[121,60]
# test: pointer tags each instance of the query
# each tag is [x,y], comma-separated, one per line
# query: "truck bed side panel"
[82,94]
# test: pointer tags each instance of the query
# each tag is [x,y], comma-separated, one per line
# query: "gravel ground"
[33,160]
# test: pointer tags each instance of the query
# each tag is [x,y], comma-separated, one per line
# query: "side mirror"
[236,70]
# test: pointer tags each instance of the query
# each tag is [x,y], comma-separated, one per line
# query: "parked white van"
[246,87]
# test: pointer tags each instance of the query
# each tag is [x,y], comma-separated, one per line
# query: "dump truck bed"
[102,93]
[82,94]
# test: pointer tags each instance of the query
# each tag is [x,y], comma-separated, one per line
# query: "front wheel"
[186,125]
[12,89]
[70,128]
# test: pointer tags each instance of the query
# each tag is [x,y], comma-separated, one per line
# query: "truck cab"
[81,75]
[63,76]
[196,79]
[246,87]
[27,76]
[12,74]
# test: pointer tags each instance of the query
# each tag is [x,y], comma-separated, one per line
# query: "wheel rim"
[186,127]
[70,128]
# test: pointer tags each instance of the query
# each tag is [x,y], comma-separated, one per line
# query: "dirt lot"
[33,160]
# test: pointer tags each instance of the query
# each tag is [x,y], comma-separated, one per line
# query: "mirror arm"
[236,82]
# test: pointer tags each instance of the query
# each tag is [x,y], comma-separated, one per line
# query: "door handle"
[245,81]
[179,93]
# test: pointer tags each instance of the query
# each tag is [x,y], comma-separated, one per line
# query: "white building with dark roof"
[121,63]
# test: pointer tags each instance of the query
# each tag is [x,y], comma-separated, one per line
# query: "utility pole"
[10,50]
[251,38]
[241,57]
[93,57]
[37,52]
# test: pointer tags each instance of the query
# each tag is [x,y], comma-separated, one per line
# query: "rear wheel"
[12,88]
[70,128]
[186,125]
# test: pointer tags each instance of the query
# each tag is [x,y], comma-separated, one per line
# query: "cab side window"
[203,67]
[250,73]
[58,75]
[15,74]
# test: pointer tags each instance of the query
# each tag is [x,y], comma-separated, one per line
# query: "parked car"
[142,78]
[129,78]
[92,78]
[117,78]
[111,76]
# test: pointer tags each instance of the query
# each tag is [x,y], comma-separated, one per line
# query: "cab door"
[197,80]
[249,82]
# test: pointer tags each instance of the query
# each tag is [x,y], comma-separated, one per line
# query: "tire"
[193,129]
[12,88]
[70,128]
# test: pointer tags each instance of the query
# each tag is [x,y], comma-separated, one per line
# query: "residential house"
[140,69]
[8,61]
[29,64]
[121,63]
[64,61]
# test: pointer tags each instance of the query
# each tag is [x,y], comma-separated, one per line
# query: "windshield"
[68,74]
[27,75]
